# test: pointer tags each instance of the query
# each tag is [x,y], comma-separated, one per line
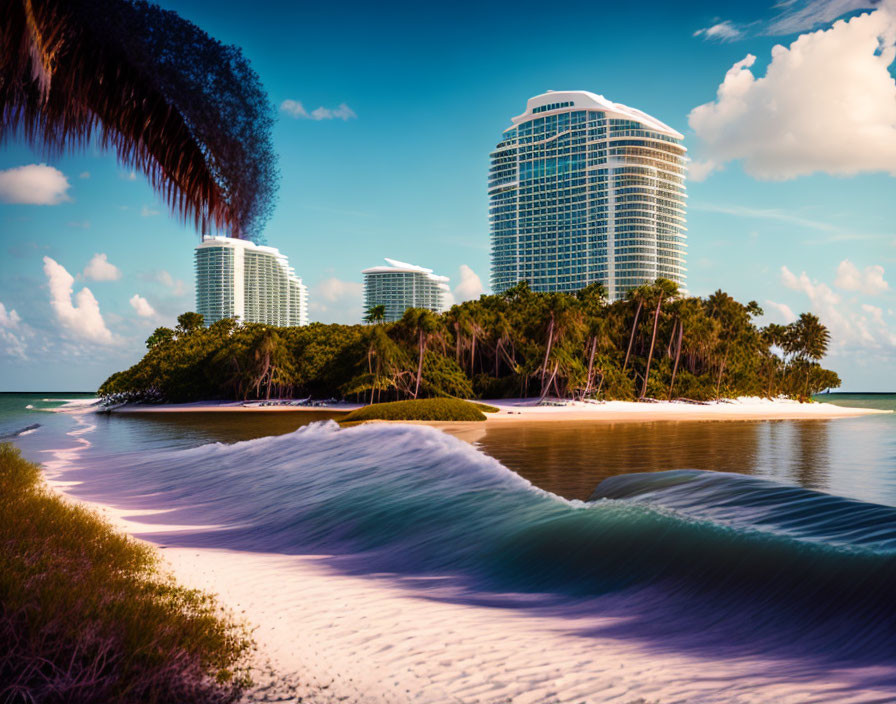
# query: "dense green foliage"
[419,409]
[654,344]
[85,616]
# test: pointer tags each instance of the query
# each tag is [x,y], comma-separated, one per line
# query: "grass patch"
[421,409]
[87,616]
[485,408]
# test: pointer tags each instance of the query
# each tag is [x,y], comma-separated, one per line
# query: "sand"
[520,410]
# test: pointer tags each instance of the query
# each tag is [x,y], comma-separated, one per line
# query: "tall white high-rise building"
[240,279]
[584,190]
[399,286]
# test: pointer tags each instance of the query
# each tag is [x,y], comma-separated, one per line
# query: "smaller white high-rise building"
[240,279]
[399,286]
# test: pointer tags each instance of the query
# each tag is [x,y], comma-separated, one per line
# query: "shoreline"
[528,410]
[328,636]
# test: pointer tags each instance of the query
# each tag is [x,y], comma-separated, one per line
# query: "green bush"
[421,409]
[87,616]
[485,408]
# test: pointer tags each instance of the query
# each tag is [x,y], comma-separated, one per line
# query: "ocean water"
[718,538]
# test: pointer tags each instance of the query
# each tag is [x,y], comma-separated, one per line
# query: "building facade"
[240,279]
[399,286]
[584,190]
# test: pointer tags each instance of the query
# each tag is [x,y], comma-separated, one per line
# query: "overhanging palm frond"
[174,103]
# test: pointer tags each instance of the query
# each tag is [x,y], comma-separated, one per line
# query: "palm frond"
[174,103]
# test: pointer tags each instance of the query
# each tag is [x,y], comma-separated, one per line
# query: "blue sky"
[796,161]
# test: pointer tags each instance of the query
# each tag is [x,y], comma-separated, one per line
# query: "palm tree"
[638,295]
[174,103]
[662,289]
[773,335]
[422,323]
[375,314]
[809,340]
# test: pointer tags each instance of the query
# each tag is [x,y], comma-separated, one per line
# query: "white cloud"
[147,212]
[99,268]
[293,108]
[470,286]
[84,174]
[334,289]
[296,110]
[785,313]
[82,319]
[12,334]
[336,301]
[856,327]
[142,306]
[800,15]
[34,184]
[870,281]
[177,287]
[128,175]
[827,103]
[724,31]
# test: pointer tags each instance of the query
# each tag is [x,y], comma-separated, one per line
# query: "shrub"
[87,616]
[422,409]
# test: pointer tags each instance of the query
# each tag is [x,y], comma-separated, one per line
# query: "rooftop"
[584,100]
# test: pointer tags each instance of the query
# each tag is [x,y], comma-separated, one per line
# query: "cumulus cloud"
[99,268]
[784,311]
[296,110]
[81,318]
[724,31]
[147,212]
[34,184]
[826,104]
[336,301]
[84,174]
[12,334]
[870,281]
[470,285]
[176,286]
[142,306]
[852,326]
[333,289]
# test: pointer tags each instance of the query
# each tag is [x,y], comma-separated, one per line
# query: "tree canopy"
[655,344]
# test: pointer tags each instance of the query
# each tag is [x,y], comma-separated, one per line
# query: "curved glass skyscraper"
[582,189]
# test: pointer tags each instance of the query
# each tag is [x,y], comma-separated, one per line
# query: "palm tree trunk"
[631,339]
[421,340]
[677,357]
[721,371]
[546,388]
[589,378]
[656,322]
[547,352]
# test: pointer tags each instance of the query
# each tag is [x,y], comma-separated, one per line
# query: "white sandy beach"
[516,410]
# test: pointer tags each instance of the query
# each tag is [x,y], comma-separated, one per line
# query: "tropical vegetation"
[654,344]
[443,409]
[86,616]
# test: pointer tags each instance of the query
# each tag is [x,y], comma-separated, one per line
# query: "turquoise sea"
[713,538]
